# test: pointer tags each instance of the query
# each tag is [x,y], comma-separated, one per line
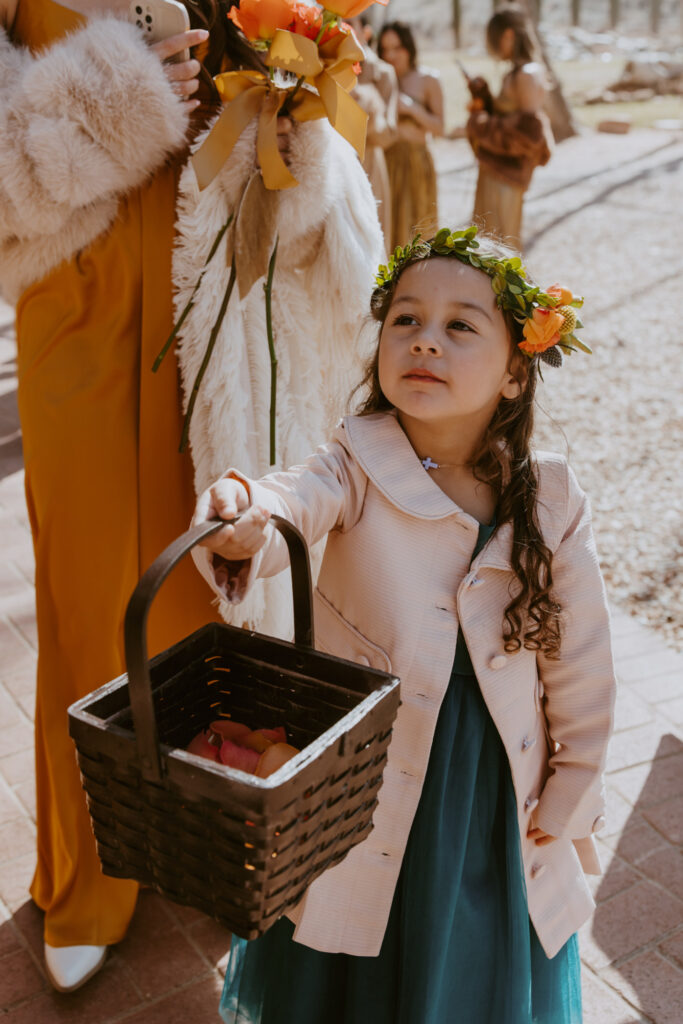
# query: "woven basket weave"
[239,848]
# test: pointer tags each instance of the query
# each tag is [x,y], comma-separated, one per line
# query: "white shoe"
[69,967]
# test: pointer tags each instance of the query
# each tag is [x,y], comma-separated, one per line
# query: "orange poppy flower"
[541,331]
[308,21]
[260,19]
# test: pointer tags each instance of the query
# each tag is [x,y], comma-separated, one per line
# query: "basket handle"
[135,626]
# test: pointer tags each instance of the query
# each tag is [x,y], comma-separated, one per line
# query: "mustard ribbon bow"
[245,94]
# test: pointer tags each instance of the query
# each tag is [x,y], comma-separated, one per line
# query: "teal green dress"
[459,945]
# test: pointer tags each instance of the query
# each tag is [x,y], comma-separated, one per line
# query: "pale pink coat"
[394,586]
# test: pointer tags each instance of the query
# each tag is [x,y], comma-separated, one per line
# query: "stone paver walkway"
[168,969]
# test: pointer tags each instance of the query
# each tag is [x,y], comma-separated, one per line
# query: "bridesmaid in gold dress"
[511,134]
[420,113]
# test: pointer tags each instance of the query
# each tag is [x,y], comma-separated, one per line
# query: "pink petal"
[202,748]
[242,758]
[229,730]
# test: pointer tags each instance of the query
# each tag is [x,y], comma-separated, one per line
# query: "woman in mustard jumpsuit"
[106,491]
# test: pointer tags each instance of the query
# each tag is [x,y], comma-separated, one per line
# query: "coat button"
[362,660]
[530,804]
[497,661]
[598,823]
[528,742]
[537,870]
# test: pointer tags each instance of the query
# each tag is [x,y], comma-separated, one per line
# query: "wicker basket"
[239,848]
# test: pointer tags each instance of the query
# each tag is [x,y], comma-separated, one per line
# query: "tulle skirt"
[459,945]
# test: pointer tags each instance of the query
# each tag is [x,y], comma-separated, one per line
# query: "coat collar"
[382,449]
[380,446]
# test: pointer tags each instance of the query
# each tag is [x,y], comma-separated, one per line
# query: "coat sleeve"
[325,493]
[580,686]
[87,118]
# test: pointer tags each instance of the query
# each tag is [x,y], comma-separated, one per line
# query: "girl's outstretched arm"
[325,493]
[580,686]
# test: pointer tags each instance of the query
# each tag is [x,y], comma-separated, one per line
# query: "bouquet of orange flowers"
[311,64]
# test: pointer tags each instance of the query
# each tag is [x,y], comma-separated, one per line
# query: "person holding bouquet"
[269,345]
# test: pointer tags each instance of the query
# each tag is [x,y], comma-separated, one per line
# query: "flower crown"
[549,317]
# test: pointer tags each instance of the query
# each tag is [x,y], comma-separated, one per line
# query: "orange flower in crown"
[563,295]
[260,19]
[541,330]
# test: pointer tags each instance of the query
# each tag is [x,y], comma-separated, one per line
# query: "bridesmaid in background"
[420,113]
[511,134]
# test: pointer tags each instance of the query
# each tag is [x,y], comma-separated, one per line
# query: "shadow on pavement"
[639,898]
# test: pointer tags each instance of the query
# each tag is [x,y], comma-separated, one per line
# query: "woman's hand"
[182,75]
[406,105]
[225,500]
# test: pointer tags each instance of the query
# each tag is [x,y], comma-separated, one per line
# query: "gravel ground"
[605,218]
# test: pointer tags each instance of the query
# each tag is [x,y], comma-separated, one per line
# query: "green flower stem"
[207,356]
[268,289]
[183,316]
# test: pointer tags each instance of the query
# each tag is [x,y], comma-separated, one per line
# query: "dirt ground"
[604,217]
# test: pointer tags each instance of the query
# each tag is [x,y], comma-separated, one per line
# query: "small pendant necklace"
[429,463]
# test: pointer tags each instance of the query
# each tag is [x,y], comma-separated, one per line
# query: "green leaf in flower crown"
[579,323]
[515,289]
[578,343]
[441,236]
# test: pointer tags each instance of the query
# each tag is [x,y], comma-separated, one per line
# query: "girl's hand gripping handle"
[224,500]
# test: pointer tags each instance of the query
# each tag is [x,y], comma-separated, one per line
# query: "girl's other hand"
[182,75]
[540,837]
[225,500]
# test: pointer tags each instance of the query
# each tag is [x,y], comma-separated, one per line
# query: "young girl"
[510,135]
[465,564]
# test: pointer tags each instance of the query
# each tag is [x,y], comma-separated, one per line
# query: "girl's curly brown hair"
[505,462]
